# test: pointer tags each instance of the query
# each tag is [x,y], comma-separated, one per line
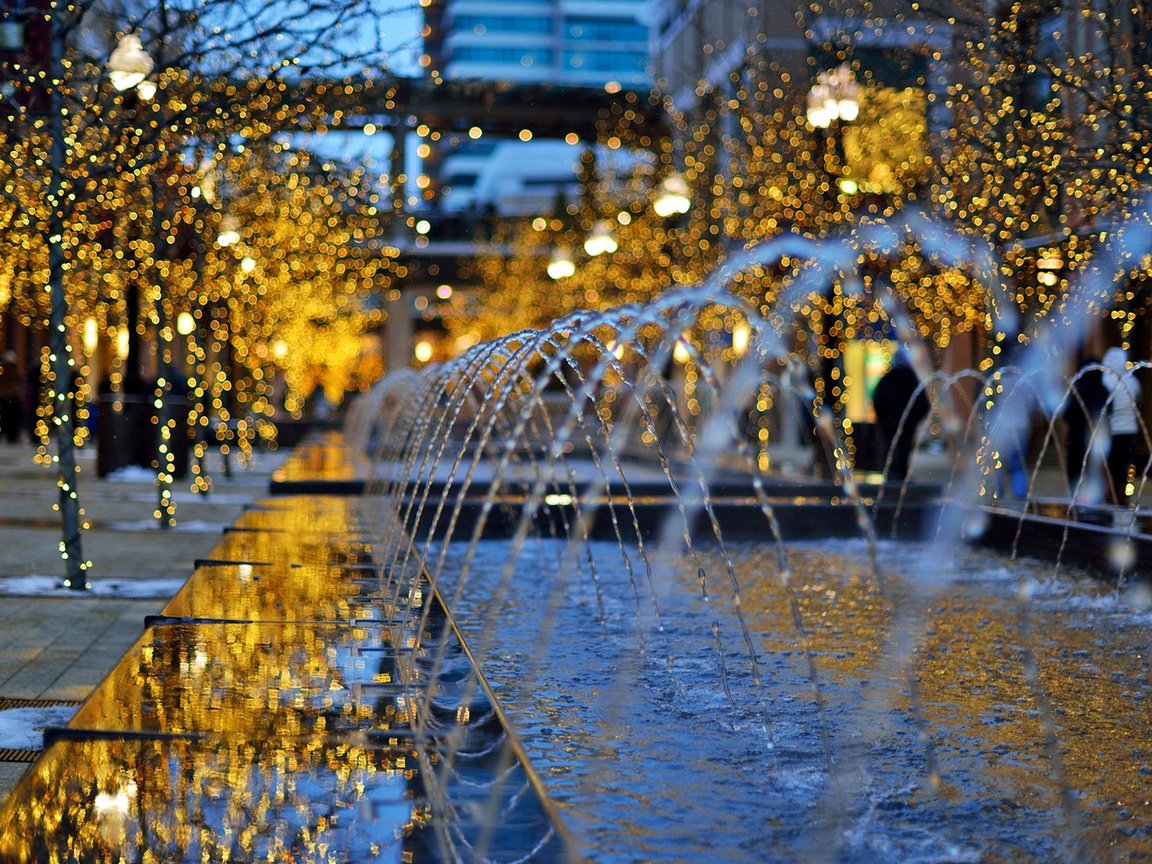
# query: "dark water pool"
[661,738]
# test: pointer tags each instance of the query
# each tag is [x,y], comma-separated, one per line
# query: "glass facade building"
[570,42]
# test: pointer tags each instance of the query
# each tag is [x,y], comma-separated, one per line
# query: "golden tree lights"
[295,293]
[299,274]
[1042,134]
[1051,140]
[739,171]
[77,153]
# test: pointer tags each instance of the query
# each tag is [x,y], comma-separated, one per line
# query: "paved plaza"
[58,648]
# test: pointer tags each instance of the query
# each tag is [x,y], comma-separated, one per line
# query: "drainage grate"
[21,754]
[6,703]
[9,754]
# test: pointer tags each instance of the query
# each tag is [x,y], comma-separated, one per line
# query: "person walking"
[11,396]
[898,396]
[1123,419]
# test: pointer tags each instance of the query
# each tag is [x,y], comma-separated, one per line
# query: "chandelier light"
[129,65]
[672,199]
[834,96]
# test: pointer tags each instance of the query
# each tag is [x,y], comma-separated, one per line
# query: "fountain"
[576,614]
[689,680]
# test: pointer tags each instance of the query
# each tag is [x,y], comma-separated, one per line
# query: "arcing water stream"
[688,696]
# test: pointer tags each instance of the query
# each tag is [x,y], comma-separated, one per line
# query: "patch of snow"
[194,526]
[132,474]
[51,586]
[212,497]
[23,728]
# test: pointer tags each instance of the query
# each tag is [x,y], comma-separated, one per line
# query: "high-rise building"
[566,43]
[580,42]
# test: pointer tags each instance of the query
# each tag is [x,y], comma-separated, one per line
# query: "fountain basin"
[285,710]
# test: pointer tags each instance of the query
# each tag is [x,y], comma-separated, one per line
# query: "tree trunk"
[63,367]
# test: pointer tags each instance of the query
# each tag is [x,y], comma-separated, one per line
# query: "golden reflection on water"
[270,547]
[268,715]
[264,752]
[212,800]
[326,459]
[267,680]
[262,734]
[982,713]
[281,592]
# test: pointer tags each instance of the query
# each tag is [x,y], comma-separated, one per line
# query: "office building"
[565,43]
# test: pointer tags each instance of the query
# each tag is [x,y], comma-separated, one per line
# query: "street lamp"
[129,67]
[672,199]
[600,241]
[561,266]
[834,96]
[229,234]
[834,99]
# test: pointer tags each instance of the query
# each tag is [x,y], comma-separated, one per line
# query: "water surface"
[661,739]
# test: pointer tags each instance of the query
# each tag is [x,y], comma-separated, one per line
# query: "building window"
[502,56]
[1050,53]
[628,62]
[481,24]
[604,30]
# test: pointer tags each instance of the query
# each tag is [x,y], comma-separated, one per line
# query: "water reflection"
[243,741]
[274,713]
[217,800]
[268,680]
[703,744]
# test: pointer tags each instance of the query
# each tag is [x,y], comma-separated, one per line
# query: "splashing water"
[574,493]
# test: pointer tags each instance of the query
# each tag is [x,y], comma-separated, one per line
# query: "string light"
[1009,167]
[291,264]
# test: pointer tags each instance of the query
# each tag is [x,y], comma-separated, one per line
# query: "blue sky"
[402,30]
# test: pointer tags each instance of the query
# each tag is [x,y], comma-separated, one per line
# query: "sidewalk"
[56,646]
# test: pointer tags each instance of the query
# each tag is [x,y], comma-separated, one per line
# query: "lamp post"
[600,240]
[128,68]
[833,100]
[672,199]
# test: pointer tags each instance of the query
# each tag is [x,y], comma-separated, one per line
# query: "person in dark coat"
[1082,411]
[11,396]
[894,393]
